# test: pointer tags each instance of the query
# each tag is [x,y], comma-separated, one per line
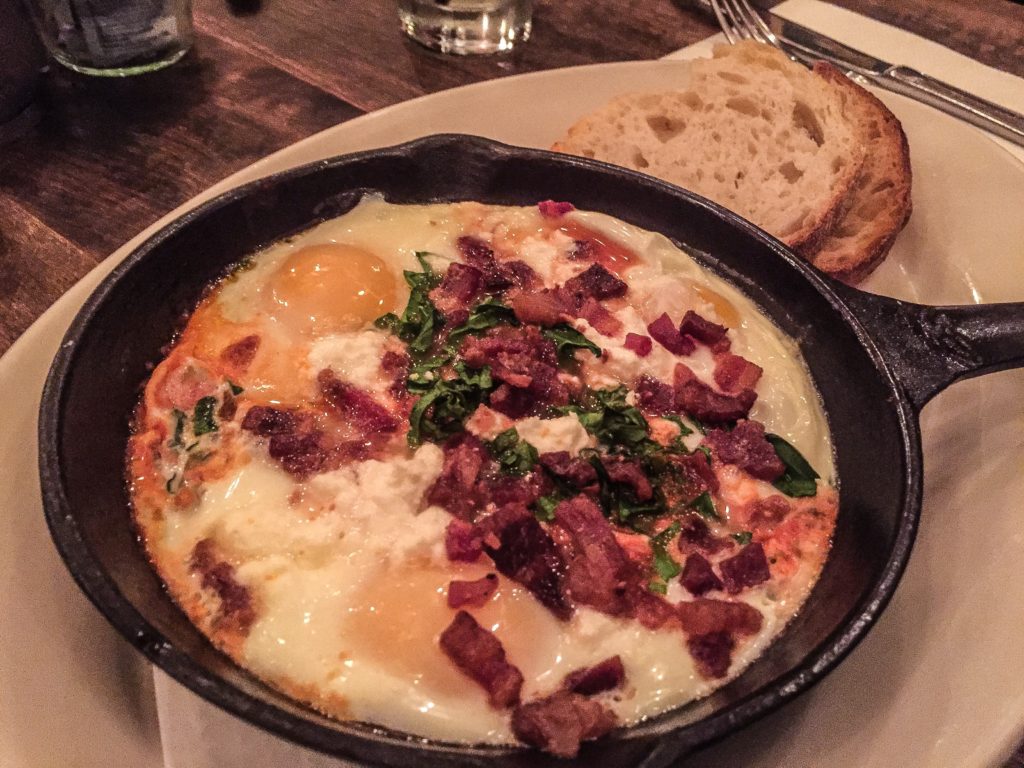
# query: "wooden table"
[109,157]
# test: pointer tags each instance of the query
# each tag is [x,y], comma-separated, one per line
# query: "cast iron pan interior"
[95,381]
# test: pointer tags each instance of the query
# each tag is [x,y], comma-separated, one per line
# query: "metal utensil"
[740,21]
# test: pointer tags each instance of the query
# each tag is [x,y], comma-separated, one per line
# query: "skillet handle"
[930,348]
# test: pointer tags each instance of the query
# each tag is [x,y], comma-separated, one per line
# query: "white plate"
[938,680]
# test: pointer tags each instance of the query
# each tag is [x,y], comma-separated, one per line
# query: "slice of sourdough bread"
[754,132]
[879,205]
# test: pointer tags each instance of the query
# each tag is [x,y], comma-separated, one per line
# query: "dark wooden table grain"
[108,157]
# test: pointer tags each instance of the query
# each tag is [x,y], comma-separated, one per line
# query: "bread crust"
[857,244]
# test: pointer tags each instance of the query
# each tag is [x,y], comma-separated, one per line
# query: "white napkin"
[198,735]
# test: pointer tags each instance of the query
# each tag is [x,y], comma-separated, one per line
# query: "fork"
[740,21]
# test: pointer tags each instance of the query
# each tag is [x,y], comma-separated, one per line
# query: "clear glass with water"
[467,26]
[114,37]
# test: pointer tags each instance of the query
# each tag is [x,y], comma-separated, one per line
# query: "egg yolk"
[402,614]
[723,307]
[332,288]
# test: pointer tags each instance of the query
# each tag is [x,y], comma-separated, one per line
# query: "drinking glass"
[467,26]
[114,37]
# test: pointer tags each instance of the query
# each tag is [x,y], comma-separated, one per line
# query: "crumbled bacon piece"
[526,553]
[735,374]
[748,568]
[463,542]
[698,577]
[600,319]
[480,655]
[629,473]
[521,274]
[695,534]
[236,610]
[638,344]
[550,209]
[603,676]
[513,354]
[300,453]
[266,421]
[454,489]
[767,512]
[597,569]
[512,402]
[355,405]
[702,330]
[501,489]
[471,593]
[665,332]
[702,402]
[479,254]
[544,308]
[558,723]
[703,616]
[459,286]
[576,471]
[712,653]
[690,476]
[653,396]
[242,352]
[650,610]
[596,282]
[746,447]
[522,359]
[396,366]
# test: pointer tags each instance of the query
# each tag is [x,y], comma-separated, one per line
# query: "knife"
[808,46]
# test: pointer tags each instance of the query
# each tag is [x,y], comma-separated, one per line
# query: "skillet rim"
[667,741]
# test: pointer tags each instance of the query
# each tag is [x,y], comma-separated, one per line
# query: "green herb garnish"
[664,565]
[567,340]
[235,389]
[179,429]
[202,416]
[799,478]
[514,455]
[546,507]
[658,587]
[487,314]
[420,321]
[443,409]
[743,538]
[705,506]
[605,414]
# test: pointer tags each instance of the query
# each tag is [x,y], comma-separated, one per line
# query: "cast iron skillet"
[875,361]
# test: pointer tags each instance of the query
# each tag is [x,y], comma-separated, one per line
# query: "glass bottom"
[465,35]
[125,71]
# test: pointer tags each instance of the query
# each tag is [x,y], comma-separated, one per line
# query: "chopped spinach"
[426,373]
[487,314]
[743,538]
[546,507]
[664,565]
[705,506]
[442,410]
[202,416]
[420,321]
[799,478]
[235,389]
[605,414]
[179,429]
[567,340]
[514,455]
